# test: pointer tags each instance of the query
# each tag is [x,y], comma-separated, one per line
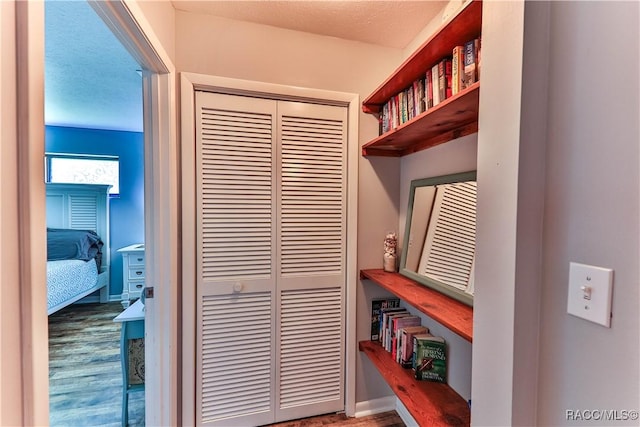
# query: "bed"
[78,251]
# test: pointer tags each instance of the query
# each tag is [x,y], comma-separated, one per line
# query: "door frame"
[189,83]
[129,24]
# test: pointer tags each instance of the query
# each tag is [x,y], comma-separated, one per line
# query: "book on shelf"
[470,76]
[435,82]
[457,66]
[377,305]
[404,116]
[411,107]
[420,104]
[429,358]
[428,89]
[444,78]
[384,313]
[478,51]
[406,343]
[396,327]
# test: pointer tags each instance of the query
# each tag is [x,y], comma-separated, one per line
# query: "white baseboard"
[375,406]
[405,415]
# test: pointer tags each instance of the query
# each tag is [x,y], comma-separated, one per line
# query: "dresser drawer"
[136,259]
[136,273]
[135,288]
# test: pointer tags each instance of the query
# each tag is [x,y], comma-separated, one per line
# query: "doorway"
[93,135]
[160,197]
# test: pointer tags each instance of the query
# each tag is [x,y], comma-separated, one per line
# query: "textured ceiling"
[91,81]
[385,23]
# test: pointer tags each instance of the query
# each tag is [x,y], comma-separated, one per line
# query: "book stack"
[443,80]
[409,343]
[403,107]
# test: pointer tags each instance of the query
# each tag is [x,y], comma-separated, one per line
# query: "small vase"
[389,263]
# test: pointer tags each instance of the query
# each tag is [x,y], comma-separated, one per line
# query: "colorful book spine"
[436,85]
[457,66]
[384,313]
[389,327]
[469,63]
[420,104]
[406,343]
[428,89]
[398,325]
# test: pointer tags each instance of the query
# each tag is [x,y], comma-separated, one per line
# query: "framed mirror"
[440,234]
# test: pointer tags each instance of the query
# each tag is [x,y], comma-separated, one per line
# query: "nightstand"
[132,272]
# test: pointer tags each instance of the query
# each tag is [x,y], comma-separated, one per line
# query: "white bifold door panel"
[270,227]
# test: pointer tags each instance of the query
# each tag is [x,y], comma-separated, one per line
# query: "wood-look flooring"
[85,376]
[385,419]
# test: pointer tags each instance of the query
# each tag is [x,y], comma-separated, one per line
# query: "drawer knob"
[140,259]
[238,287]
[139,286]
[138,273]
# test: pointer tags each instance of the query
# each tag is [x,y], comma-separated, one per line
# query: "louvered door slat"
[450,244]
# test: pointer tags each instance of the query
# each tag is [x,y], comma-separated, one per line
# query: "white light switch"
[590,291]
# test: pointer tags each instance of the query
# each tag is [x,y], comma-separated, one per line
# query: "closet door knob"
[238,287]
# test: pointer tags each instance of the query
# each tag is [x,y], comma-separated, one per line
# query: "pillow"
[65,243]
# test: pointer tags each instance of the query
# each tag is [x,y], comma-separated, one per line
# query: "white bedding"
[69,280]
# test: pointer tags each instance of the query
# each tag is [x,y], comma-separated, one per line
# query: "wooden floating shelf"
[466,25]
[453,118]
[453,314]
[429,403]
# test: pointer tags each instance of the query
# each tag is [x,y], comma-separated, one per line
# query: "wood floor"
[85,377]
[386,419]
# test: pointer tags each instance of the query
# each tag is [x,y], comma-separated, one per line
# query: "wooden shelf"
[453,118]
[466,25]
[453,314]
[429,403]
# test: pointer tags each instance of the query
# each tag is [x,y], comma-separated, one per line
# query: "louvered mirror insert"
[440,234]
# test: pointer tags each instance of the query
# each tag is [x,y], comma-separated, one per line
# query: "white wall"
[161,16]
[591,209]
[242,50]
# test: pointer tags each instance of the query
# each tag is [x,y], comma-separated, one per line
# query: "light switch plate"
[590,290]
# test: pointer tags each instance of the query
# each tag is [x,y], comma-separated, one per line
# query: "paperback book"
[377,305]
[429,358]
[406,343]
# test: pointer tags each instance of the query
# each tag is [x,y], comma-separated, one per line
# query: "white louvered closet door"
[236,259]
[311,248]
[271,212]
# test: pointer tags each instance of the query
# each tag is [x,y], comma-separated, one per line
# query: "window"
[83,169]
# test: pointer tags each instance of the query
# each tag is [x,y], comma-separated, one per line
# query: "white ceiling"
[91,81]
[385,23]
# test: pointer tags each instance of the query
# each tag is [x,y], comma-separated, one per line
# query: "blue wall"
[127,211]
